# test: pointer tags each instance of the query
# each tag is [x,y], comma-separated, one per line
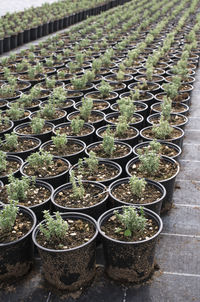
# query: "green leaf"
[127,233]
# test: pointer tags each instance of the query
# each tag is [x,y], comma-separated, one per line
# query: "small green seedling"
[131,220]
[149,162]
[166,108]
[8,216]
[104,89]
[37,125]
[40,159]
[3,162]
[137,185]
[92,162]
[86,108]
[163,130]
[17,189]
[78,189]
[59,141]
[77,125]
[108,142]
[122,126]
[54,229]
[11,141]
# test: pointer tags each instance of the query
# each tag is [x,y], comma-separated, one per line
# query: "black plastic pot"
[186,98]
[105,110]
[27,35]
[53,121]
[167,183]
[1,46]
[157,115]
[16,173]
[6,44]
[178,140]
[20,38]
[87,139]
[16,258]
[138,124]
[95,211]
[170,145]
[72,158]
[153,206]
[100,122]
[43,136]
[24,154]
[129,261]
[22,120]
[105,182]
[97,96]
[184,111]
[54,181]
[2,134]
[69,269]
[13,41]
[132,141]
[122,161]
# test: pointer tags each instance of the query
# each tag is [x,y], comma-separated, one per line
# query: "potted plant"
[67,246]
[152,166]
[28,192]
[69,148]
[9,164]
[129,236]
[44,166]
[83,196]
[77,128]
[93,169]
[137,191]
[19,145]
[36,128]
[16,246]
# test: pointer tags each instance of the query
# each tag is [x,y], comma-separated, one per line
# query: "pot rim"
[70,214]
[26,209]
[107,213]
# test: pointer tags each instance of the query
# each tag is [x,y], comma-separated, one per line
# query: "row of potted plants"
[28,25]
[93,180]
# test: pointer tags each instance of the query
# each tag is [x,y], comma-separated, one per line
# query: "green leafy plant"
[77,187]
[8,216]
[40,159]
[166,108]
[60,141]
[137,185]
[132,221]
[162,130]
[3,162]
[86,108]
[155,146]
[108,142]
[77,125]
[121,126]
[171,90]
[92,161]
[104,89]
[14,112]
[11,141]
[149,162]
[37,124]
[79,83]
[54,229]
[48,111]
[17,189]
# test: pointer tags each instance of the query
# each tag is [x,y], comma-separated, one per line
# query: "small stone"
[73,234]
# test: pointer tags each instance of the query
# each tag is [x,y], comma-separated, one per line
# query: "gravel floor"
[19,5]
